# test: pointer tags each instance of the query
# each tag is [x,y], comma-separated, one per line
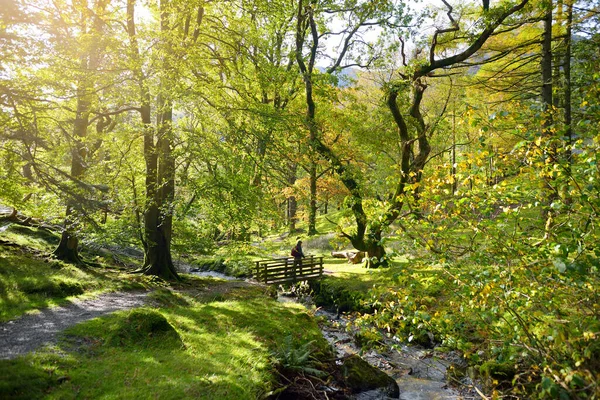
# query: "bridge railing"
[286,270]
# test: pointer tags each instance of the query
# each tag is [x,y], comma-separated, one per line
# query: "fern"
[296,357]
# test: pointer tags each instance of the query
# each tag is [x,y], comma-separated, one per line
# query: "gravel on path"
[32,331]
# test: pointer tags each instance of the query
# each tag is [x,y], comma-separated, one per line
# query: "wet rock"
[360,376]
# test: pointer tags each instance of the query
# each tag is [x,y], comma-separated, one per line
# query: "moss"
[216,265]
[52,288]
[360,376]
[35,233]
[498,370]
[21,380]
[167,298]
[144,328]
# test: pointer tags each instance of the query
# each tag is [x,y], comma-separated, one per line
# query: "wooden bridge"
[284,270]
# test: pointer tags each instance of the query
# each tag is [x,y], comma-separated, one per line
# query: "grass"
[205,338]
[36,238]
[358,278]
[221,350]
[29,282]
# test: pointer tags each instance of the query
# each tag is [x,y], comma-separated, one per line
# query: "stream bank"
[421,374]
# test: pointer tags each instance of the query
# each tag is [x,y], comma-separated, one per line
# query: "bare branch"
[469,51]
[454,28]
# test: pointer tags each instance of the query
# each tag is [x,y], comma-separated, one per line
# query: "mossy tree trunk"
[158,157]
[67,249]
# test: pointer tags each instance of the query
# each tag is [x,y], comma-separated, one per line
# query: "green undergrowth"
[239,267]
[31,237]
[529,330]
[345,287]
[187,348]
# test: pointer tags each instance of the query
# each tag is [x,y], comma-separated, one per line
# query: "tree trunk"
[160,166]
[376,256]
[292,205]
[305,18]
[159,224]
[157,256]
[261,149]
[548,184]
[567,73]
[158,219]
[67,249]
[292,208]
[546,63]
[453,157]
[312,211]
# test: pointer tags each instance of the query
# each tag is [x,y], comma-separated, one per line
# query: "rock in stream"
[419,373]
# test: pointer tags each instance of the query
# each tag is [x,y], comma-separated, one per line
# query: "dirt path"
[33,331]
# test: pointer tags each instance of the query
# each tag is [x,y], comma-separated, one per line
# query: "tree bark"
[292,205]
[160,166]
[550,150]
[67,249]
[567,73]
[312,210]
[305,21]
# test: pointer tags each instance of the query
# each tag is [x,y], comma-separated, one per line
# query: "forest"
[454,144]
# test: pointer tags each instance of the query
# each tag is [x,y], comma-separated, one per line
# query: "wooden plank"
[283,270]
[282,260]
[290,280]
[300,277]
[290,267]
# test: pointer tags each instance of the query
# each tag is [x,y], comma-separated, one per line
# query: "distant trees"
[193,122]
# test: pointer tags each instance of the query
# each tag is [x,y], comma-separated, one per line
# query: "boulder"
[360,376]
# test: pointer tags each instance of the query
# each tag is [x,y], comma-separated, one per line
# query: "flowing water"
[421,373]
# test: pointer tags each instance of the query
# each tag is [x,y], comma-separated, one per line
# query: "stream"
[420,373]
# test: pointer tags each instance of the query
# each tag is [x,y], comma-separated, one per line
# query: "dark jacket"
[298,253]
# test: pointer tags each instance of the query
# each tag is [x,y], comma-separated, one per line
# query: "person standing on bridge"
[298,254]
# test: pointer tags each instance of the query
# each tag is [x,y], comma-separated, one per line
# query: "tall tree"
[158,141]
[308,35]
[91,26]
[415,146]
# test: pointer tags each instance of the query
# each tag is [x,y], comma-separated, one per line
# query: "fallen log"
[16,217]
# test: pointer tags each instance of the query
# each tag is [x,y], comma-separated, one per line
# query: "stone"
[360,376]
